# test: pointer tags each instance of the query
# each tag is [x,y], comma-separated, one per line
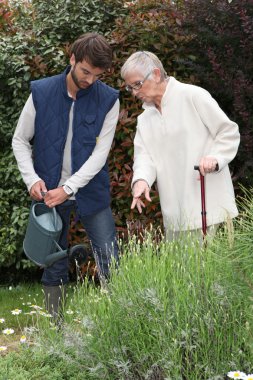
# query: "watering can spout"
[75,254]
[53,257]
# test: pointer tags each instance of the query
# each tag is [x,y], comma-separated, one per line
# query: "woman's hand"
[140,187]
[208,164]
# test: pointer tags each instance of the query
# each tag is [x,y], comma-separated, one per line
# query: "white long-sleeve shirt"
[23,150]
[169,143]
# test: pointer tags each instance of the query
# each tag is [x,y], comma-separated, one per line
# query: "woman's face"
[143,87]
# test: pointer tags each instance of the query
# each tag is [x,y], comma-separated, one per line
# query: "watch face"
[67,190]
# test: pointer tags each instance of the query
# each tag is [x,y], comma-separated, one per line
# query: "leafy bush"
[13,211]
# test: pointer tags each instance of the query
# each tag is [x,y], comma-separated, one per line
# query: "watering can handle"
[55,217]
[43,193]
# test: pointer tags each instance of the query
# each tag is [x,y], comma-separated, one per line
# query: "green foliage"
[167,311]
[14,207]
[241,246]
[171,311]
[46,368]
[62,21]
[6,15]
[20,297]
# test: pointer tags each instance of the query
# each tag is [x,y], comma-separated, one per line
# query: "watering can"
[42,235]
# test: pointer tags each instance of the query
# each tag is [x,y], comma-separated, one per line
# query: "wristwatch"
[68,190]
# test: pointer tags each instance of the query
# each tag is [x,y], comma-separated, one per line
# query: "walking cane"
[203,201]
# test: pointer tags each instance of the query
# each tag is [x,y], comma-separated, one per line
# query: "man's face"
[83,74]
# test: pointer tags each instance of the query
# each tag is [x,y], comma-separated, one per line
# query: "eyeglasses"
[138,85]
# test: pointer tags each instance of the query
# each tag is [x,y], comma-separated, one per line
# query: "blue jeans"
[101,232]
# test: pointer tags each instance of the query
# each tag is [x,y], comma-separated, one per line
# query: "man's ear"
[157,74]
[72,60]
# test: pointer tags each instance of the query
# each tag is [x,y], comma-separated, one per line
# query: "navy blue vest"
[52,105]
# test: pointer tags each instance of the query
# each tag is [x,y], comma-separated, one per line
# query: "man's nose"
[91,78]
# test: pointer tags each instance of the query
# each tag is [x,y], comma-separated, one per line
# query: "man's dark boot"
[54,301]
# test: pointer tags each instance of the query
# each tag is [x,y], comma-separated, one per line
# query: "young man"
[71,118]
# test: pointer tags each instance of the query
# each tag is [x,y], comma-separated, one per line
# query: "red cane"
[203,201]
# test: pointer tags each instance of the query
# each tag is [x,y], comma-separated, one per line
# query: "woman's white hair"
[143,62]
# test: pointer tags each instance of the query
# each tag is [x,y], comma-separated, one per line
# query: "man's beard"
[74,78]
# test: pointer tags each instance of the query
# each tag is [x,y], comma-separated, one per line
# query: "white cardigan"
[167,145]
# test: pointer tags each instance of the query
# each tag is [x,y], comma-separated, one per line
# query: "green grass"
[179,310]
[21,298]
[171,311]
[22,310]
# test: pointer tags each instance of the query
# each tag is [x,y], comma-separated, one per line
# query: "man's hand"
[55,197]
[37,190]
[208,164]
[140,187]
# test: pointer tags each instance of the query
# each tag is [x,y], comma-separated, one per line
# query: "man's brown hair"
[94,49]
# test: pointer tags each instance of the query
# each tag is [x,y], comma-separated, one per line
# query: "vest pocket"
[89,130]
[89,119]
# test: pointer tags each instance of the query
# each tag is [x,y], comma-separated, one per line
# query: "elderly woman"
[181,126]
